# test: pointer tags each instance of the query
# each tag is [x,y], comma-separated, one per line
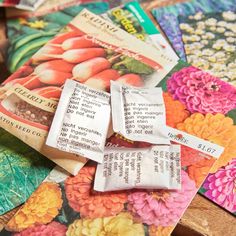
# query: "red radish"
[29,82]
[47,53]
[76,43]
[64,36]
[131,79]
[21,72]
[59,65]
[80,55]
[86,69]
[102,80]
[49,92]
[54,77]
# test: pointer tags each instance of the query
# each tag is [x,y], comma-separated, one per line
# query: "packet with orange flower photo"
[81,121]
[157,167]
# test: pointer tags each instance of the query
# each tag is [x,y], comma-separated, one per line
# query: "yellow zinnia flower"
[43,205]
[120,225]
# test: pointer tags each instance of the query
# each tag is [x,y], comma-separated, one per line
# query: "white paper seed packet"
[157,167]
[138,113]
[81,121]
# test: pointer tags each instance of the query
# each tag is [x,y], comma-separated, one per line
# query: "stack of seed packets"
[204,34]
[196,105]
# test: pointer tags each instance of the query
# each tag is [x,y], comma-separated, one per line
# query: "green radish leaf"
[232,115]
[133,66]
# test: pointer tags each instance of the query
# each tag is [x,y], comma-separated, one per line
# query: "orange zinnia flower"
[199,171]
[160,230]
[43,205]
[92,204]
[216,128]
[175,111]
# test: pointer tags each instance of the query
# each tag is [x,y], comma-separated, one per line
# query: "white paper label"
[157,167]
[137,113]
[191,141]
[81,121]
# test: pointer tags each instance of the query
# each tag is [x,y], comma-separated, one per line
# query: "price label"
[192,141]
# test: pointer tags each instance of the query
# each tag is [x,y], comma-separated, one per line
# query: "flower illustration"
[120,225]
[54,228]
[190,156]
[229,16]
[92,204]
[201,92]
[214,128]
[221,186]
[175,111]
[43,205]
[162,207]
[160,230]
[198,171]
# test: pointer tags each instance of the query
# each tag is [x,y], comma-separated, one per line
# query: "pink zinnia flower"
[162,207]
[221,186]
[52,229]
[202,92]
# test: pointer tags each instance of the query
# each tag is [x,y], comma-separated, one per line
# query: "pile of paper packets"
[104,129]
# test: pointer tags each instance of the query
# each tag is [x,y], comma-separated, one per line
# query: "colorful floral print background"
[210,43]
[167,17]
[197,103]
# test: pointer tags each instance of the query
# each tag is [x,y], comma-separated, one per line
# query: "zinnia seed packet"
[90,50]
[167,18]
[157,167]
[81,121]
[137,114]
[209,42]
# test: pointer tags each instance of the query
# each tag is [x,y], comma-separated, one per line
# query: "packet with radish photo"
[138,113]
[157,167]
[81,121]
[89,50]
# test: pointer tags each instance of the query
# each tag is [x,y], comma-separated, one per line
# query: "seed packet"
[133,19]
[209,42]
[22,170]
[157,167]
[92,51]
[22,4]
[32,30]
[81,121]
[167,17]
[138,113]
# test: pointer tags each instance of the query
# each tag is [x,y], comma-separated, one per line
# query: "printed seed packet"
[81,121]
[209,42]
[211,46]
[167,17]
[198,104]
[22,171]
[28,34]
[156,167]
[22,4]
[30,95]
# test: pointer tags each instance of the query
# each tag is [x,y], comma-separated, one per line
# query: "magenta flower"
[221,186]
[162,207]
[202,92]
[52,229]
